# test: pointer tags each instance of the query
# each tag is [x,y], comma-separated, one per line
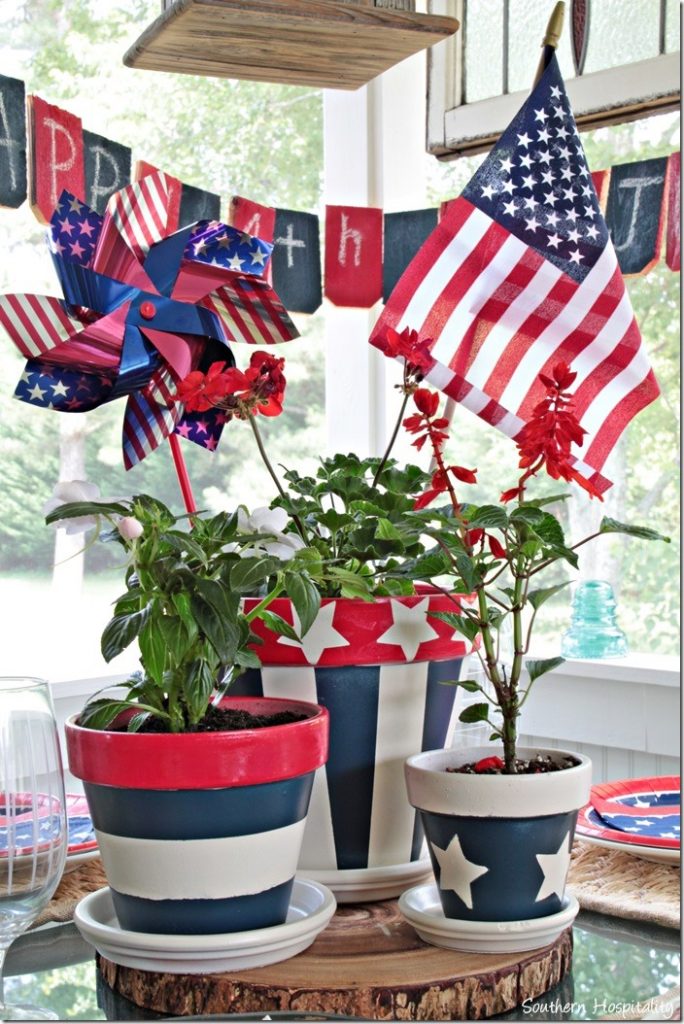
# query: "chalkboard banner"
[107,167]
[55,156]
[673,238]
[634,213]
[12,142]
[296,261]
[196,204]
[353,256]
[404,235]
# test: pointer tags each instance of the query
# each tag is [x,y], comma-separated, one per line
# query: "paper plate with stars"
[637,816]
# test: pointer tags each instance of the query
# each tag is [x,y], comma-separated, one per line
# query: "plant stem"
[279,487]
[263,605]
[393,438]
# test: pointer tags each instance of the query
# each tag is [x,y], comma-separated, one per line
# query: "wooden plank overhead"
[338,44]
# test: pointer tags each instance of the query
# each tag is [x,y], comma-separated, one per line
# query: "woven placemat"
[73,887]
[616,883]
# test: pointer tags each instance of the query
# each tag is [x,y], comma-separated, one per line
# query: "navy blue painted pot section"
[499,844]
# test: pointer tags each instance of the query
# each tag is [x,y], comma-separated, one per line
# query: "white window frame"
[455,128]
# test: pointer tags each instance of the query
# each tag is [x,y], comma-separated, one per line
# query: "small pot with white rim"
[500,844]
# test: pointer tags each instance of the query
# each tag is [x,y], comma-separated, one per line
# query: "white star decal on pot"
[410,627]
[321,637]
[555,868]
[456,871]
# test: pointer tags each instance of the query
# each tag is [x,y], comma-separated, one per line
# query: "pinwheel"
[141,309]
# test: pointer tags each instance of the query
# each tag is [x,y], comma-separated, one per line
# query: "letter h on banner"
[353,255]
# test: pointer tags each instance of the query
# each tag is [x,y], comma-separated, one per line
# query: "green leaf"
[181,602]
[278,625]
[491,517]
[536,669]
[609,525]
[75,509]
[475,713]
[248,574]
[467,572]
[538,597]
[550,530]
[221,634]
[386,531]
[122,631]
[467,684]
[99,714]
[153,650]
[351,583]
[305,599]
[334,520]
[214,594]
[527,514]
[174,635]
[247,658]
[539,502]
[199,685]
[183,543]
[462,623]
[136,722]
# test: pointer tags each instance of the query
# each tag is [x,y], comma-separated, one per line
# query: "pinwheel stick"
[182,474]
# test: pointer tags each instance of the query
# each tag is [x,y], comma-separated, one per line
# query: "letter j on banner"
[353,255]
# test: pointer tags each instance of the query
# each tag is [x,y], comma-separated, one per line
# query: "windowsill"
[652,669]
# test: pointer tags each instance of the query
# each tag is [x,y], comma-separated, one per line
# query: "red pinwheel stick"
[182,474]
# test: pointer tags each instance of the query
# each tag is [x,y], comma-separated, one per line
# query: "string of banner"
[366,250]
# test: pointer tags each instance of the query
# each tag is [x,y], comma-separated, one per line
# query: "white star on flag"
[409,628]
[555,868]
[321,637]
[456,871]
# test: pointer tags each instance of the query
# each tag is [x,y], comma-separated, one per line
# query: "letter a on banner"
[353,255]
[55,156]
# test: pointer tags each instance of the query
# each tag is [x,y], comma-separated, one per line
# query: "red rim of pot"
[207,760]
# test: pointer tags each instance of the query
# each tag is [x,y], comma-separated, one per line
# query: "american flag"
[521,273]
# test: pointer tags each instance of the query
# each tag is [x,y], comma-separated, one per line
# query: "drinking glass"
[33,826]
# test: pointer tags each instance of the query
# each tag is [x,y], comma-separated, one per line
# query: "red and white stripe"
[140,212]
[499,314]
[251,312]
[151,416]
[36,323]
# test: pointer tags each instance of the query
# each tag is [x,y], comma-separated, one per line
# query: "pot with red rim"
[379,668]
[200,833]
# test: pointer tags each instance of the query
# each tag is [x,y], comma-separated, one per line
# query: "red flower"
[510,495]
[474,536]
[426,401]
[409,347]
[496,547]
[265,375]
[466,476]
[489,764]
[201,391]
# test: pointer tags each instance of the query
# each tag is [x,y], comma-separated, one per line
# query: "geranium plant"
[370,527]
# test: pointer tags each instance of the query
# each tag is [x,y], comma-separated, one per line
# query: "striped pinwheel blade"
[250,311]
[36,323]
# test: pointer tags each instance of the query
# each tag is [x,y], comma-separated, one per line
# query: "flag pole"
[182,474]
[550,42]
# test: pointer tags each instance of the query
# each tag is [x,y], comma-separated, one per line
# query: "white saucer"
[422,908]
[363,885]
[656,854]
[311,908]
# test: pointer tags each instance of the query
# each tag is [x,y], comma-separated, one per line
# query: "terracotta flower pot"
[378,667]
[200,833]
[500,844]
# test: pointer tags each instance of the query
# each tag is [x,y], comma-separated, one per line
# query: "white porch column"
[374,155]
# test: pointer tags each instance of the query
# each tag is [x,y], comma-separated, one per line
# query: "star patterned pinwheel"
[141,309]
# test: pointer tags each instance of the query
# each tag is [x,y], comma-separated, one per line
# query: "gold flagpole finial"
[551,38]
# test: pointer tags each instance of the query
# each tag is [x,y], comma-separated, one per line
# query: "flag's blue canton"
[536,182]
[58,387]
[664,826]
[74,230]
[204,428]
[222,246]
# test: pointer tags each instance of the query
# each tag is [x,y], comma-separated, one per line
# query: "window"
[620,59]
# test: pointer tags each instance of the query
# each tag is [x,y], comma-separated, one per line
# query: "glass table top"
[619,968]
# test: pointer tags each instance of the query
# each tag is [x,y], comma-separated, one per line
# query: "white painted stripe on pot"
[401,711]
[432,788]
[289,682]
[318,847]
[194,869]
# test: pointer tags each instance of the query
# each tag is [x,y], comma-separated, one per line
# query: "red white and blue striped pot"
[379,668]
[200,833]
[500,844]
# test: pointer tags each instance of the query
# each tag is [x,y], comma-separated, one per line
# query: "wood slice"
[369,963]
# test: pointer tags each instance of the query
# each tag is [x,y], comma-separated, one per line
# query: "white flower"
[130,528]
[270,522]
[66,492]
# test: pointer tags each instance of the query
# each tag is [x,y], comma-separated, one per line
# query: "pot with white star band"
[200,832]
[379,668]
[499,844]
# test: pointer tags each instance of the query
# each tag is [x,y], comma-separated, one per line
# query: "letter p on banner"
[55,156]
[353,255]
